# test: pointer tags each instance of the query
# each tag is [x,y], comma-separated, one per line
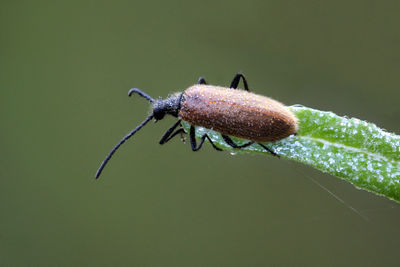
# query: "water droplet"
[298,106]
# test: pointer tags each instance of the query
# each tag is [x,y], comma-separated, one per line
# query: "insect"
[230,111]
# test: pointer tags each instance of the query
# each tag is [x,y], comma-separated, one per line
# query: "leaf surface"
[349,148]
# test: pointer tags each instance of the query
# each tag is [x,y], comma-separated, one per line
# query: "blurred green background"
[65,70]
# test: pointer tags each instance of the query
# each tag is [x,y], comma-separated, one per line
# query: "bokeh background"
[65,69]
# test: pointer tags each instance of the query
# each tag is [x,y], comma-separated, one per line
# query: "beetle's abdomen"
[237,113]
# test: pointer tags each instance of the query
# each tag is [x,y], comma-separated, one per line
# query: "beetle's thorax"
[170,105]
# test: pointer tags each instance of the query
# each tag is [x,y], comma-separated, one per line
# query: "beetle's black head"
[170,105]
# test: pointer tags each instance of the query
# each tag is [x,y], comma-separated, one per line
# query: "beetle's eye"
[159,116]
[158,113]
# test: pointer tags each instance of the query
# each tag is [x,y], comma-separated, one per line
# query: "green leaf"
[352,149]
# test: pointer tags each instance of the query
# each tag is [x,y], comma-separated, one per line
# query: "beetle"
[230,111]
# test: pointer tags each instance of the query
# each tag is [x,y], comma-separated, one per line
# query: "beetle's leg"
[269,150]
[230,142]
[179,131]
[236,80]
[201,81]
[169,134]
[193,140]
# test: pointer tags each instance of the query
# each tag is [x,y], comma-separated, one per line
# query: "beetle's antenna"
[142,94]
[103,164]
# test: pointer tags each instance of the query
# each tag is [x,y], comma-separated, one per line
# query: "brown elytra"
[237,113]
